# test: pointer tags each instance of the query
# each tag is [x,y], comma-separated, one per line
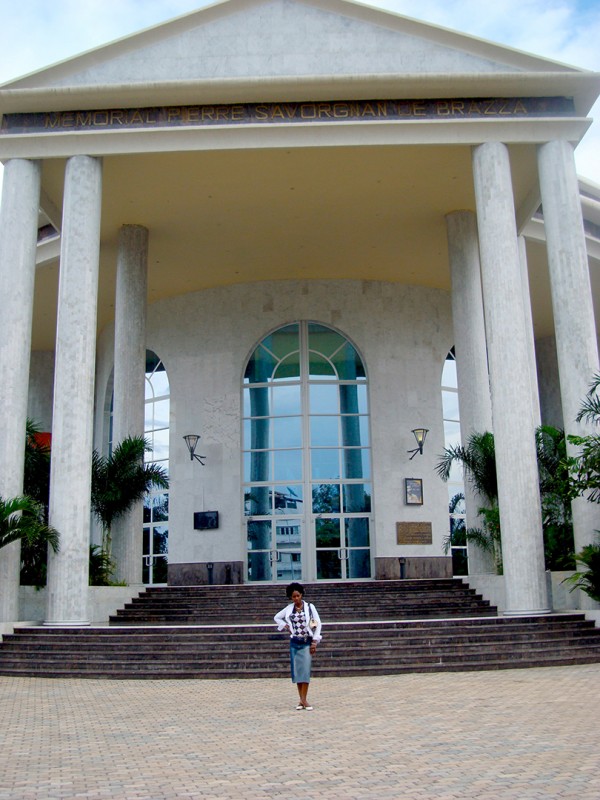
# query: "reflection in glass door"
[307,473]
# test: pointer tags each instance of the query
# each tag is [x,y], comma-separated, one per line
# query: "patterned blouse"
[299,624]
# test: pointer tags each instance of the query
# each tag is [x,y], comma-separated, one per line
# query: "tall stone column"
[471,355]
[130,361]
[70,477]
[574,324]
[525,293]
[512,406]
[18,240]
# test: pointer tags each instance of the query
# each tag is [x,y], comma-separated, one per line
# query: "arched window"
[307,457]
[156,503]
[456,487]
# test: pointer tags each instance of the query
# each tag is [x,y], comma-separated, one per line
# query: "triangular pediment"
[243,39]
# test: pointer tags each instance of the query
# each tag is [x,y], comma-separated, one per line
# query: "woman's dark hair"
[294,587]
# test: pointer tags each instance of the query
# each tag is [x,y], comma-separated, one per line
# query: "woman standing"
[302,622]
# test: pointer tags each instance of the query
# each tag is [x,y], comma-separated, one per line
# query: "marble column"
[535,395]
[129,380]
[471,356]
[70,477]
[512,406]
[19,214]
[574,323]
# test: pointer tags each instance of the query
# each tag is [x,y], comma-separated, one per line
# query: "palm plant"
[556,492]
[22,519]
[588,580]
[478,460]
[120,480]
[585,468]
[36,484]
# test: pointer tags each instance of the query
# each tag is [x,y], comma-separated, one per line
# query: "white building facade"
[268,223]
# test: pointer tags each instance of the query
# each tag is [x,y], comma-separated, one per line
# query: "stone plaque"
[414,533]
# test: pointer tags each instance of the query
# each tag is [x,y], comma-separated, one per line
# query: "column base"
[75,623]
[538,612]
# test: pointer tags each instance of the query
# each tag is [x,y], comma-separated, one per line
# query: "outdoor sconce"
[191,441]
[420,436]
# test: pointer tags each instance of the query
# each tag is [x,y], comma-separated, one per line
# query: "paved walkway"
[509,735]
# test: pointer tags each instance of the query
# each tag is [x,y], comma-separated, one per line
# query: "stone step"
[372,629]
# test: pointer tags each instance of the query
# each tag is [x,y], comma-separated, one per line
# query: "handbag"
[312,623]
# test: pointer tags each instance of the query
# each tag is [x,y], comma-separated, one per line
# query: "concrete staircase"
[381,628]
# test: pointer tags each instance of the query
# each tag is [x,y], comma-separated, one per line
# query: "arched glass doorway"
[307,457]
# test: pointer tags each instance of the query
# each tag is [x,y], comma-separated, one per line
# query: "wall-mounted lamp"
[420,436]
[191,441]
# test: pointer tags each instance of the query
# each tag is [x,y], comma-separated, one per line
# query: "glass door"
[306,453]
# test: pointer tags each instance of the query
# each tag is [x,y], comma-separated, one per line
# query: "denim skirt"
[300,659]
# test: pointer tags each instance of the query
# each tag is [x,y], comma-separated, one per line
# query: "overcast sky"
[37,33]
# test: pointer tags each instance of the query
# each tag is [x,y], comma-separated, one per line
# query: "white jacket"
[282,618]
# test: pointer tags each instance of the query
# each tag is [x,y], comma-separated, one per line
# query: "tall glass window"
[456,487]
[156,503]
[307,457]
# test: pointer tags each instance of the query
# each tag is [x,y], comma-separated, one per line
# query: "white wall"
[204,339]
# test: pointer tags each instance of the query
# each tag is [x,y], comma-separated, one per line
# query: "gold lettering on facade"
[117,117]
[418,108]
[520,108]
[237,112]
[208,112]
[262,112]
[458,108]
[443,108]
[308,111]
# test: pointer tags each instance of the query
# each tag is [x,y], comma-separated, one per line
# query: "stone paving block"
[511,735]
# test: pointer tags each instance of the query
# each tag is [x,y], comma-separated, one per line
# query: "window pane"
[449,373]
[324,431]
[451,433]
[357,531]
[351,431]
[325,463]
[320,367]
[288,498]
[160,508]
[324,399]
[348,363]
[260,367]
[147,510]
[323,340]
[257,466]
[326,498]
[259,434]
[450,405]
[288,369]
[357,497]
[259,567]
[329,566]
[160,445]
[160,570]
[283,341]
[356,463]
[256,402]
[289,566]
[160,383]
[146,541]
[359,564]
[286,401]
[287,432]
[288,465]
[288,534]
[328,533]
[259,534]
[160,539]
[257,501]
